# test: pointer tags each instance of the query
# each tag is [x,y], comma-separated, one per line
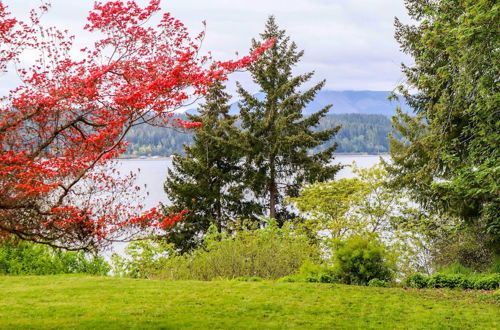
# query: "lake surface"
[153,173]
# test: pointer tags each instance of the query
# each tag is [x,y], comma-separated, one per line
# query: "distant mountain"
[362,102]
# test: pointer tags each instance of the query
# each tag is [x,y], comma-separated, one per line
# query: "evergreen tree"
[277,137]
[207,180]
[449,156]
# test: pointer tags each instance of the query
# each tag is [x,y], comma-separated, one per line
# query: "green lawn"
[106,302]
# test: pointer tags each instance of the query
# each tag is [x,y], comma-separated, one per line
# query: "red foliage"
[62,127]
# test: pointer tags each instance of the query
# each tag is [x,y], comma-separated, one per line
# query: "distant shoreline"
[170,157]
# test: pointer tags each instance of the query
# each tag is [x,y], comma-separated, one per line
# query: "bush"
[358,260]
[288,279]
[268,253]
[457,268]
[451,281]
[489,282]
[249,279]
[445,281]
[416,280]
[315,273]
[495,265]
[27,258]
[375,282]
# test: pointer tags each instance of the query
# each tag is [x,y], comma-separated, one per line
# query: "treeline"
[360,133]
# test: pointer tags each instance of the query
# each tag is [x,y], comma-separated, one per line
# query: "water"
[153,173]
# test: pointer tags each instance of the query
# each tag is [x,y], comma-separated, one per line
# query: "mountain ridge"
[345,102]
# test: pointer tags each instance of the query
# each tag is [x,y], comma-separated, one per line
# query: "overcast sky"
[349,43]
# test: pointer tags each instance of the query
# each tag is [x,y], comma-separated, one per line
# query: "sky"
[350,43]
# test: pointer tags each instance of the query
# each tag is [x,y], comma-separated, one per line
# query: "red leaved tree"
[62,127]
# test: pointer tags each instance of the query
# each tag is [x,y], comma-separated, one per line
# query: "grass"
[72,301]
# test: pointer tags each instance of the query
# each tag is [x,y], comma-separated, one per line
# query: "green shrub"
[378,283]
[457,268]
[316,273]
[268,253]
[358,259]
[249,279]
[27,258]
[449,281]
[416,280]
[488,282]
[288,279]
[495,265]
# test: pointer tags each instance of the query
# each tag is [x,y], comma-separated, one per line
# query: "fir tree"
[207,180]
[449,156]
[277,136]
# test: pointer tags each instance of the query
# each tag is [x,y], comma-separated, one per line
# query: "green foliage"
[357,260]
[207,181]
[495,265]
[454,280]
[315,273]
[269,253]
[375,282]
[416,280]
[457,268]
[490,282]
[360,133]
[367,205]
[277,136]
[446,281]
[26,258]
[448,156]
[465,246]
[144,259]
[288,279]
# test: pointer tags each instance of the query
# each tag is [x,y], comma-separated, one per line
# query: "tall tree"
[449,156]
[277,136]
[207,180]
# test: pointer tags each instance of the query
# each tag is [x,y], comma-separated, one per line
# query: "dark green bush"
[446,281]
[451,281]
[358,260]
[416,280]
[489,282]
[378,283]
[26,258]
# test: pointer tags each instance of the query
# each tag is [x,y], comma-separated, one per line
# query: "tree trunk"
[272,191]
[272,197]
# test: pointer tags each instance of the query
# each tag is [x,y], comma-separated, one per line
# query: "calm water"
[153,173]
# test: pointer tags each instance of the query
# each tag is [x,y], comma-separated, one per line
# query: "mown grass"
[72,301]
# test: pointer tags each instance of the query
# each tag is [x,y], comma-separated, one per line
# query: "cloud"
[347,42]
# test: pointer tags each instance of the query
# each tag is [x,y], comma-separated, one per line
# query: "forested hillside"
[360,133]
